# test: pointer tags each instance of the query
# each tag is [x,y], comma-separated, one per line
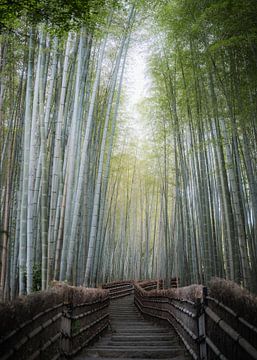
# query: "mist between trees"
[79,206]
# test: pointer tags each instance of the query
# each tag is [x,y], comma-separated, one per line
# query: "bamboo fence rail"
[58,332]
[119,289]
[209,329]
[228,336]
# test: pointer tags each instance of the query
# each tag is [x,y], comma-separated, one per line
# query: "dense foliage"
[59,101]
[189,205]
[184,204]
[205,78]
[61,15]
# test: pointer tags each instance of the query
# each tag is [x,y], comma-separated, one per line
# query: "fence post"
[201,325]
[66,338]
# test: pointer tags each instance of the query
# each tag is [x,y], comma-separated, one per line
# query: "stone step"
[130,336]
[135,344]
[134,316]
[140,330]
[180,357]
[141,353]
[130,322]
[136,327]
[124,307]
[141,337]
[134,321]
[125,310]
[123,304]
[127,347]
[126,317]
[125,314]
[134,337]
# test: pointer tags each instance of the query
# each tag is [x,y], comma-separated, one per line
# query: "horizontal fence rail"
[151,285]
[82,323]
[208,328]
[180,314]
[58,332]
[228,336]
[119,289]
[30,334]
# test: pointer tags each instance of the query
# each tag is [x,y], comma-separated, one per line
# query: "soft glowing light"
[135,89]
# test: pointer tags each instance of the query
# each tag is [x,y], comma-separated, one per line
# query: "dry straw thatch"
[240,300]
[15,313]
[191,292]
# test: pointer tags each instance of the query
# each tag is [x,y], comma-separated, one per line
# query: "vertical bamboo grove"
[54,148]
[202,109]
[205,83]
[79,202]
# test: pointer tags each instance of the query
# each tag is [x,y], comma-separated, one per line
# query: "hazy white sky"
[136,75]
[136,86]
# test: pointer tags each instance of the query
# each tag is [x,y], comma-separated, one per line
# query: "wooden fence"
[181,314]
[57,326]
[228,336]
[149,285]
[59,331]
[119,289]
[208,329]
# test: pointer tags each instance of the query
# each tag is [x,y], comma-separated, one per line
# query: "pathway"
[131,336]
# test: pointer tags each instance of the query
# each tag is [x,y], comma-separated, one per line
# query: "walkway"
[131,336]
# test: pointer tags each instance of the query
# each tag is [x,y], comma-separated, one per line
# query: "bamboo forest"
[128,136]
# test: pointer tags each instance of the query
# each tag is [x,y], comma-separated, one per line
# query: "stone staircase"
[131,336]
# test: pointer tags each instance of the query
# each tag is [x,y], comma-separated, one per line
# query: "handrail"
[239,323]
[56,332]
[166,308]
[235,336]
[119,289]
[205,334]
[208,328]
[28,322]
